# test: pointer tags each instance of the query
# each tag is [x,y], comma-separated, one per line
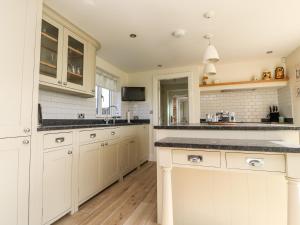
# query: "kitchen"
[150,113]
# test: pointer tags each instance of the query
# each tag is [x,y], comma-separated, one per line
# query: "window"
[103,101]
[106,94]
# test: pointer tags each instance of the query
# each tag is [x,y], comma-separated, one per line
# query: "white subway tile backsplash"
[63,106]
[140,109]
[248,105]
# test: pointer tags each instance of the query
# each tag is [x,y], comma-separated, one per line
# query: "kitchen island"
[231,176]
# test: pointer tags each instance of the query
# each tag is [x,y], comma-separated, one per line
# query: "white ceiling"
[243,29]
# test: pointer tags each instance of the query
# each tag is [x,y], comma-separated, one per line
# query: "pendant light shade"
[210,69]
[211,55]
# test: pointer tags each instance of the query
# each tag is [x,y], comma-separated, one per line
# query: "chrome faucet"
[113,117]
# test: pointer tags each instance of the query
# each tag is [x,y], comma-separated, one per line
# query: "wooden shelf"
[75,50]
[49,37]
[75,74]
[244,84]
[48,64]
[49,49]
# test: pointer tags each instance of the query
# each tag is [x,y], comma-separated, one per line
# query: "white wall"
[293,61]
[230,71]
[63,106]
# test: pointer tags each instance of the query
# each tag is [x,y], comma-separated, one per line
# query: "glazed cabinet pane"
[51,48]
[75,56]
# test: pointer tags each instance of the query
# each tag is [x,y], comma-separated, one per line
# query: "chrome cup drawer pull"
[195,158]
[113,133]
[93,135]
[60,140]
[255,162]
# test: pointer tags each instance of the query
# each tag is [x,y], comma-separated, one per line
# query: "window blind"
[106,80]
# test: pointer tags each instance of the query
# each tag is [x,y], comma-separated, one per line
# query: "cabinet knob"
[59,82]
[25,142]
[93,135]
[106,143]
[27,130]
[65,83]
[102,144]
[70,152]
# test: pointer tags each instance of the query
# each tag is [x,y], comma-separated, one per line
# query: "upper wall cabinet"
[68,56]
[18,35]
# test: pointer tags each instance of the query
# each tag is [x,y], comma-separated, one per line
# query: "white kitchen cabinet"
[143,145]
[51,51]
[18,34]
[75,67]
[123,157]
[57,181]
[14,182]
[68,56]
[133,153]
[89,171]
[109,163]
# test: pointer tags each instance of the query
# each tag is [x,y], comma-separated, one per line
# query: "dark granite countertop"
[66,124]
[229,144]
[231,126]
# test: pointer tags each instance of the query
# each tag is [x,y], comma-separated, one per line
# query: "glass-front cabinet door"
[75,61]
[51,52]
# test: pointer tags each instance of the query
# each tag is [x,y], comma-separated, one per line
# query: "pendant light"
[211,54]
[210,69]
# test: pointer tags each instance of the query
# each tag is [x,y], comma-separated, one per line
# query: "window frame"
[98,97]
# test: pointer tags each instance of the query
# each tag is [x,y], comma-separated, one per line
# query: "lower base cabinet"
[89,179]
[123,157]
[14,182]
[57,181]
[109,163]
[133,154]
[143,139]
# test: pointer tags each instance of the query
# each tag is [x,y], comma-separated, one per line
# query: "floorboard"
[131,202]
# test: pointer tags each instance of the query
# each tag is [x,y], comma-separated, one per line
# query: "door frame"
[156,92]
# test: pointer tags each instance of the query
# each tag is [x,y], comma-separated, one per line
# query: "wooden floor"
[131,202]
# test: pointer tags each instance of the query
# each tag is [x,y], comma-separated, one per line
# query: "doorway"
[174,101]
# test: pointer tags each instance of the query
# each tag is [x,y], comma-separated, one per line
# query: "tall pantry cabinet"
[19,20]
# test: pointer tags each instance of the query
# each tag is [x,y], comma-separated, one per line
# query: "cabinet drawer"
[263,162]
[112,133]
[92,136]
[57,140]
[128,131]
[197,158]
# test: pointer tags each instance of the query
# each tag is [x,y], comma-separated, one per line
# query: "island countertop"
[229,144]
[230,126]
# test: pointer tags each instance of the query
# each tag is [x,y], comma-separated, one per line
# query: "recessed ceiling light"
[209,14]
[179,33]
[133,35]
[269,52]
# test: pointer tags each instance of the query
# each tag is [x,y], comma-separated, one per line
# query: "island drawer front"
[260,162]
[58,140]
[88,136]
[197,158]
